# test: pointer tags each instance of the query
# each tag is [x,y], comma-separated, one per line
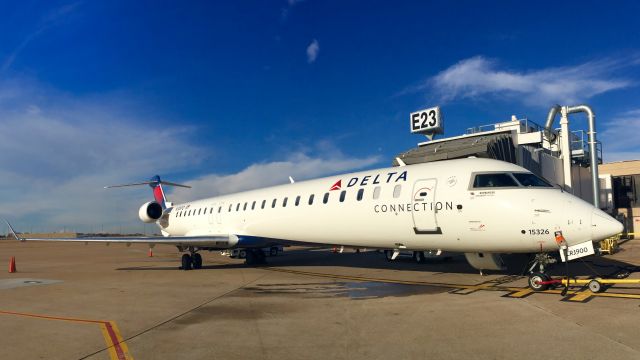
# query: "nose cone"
[603,225]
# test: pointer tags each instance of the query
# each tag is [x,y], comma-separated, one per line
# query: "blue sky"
[240,94]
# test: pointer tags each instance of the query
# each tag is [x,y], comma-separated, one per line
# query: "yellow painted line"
[522,293]
[581,295]
[517,292]
[116,346]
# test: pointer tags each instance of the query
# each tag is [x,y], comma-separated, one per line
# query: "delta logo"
[371,180]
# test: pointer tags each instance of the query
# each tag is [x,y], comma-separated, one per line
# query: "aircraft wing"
[221,240]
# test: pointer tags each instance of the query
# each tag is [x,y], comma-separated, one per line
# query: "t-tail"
[156,186]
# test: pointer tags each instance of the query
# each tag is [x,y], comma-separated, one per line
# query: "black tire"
[418,256]
[534,280]
[251,257]
[388,254]
[242,254]
[273,251]
[197,261]
[595,286]
[186,262]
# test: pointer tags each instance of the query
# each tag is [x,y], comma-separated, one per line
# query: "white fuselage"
[432,206]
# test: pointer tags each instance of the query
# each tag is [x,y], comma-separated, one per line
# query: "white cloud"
[300,166]
[617,142]
[478,77]
[58,151]
[50,19]
[312,51]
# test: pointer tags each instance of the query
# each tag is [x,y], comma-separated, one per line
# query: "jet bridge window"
[297,200]
[343,194]
[396,191]
[494,180]
[325,199]
[360,194]
[531,180]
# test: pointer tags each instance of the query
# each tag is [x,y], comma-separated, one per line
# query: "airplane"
[480,207]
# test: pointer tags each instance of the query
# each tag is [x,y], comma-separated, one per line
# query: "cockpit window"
[531,180]
[494,180]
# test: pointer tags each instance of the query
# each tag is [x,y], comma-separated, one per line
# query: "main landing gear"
[255,257]
[191,261]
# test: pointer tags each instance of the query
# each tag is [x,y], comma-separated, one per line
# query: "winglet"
[13,232]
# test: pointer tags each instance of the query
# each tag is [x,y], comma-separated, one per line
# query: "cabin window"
[219,209]
[264,202]
[189,214]
[199,211]
[238,207]
[494,180]
[297,200]
[376,192]
[284,202]
[343,194]
[531,180]
[230,207]
[325,199]
[311,199]
[273,203]
[253,205]
[396,191]
[244,208]
[360,194]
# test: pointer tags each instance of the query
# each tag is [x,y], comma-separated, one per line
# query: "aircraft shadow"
[516,264]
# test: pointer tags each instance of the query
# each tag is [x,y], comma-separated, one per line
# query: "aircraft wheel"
[251,257]
[273,251]
[186,262]
[535,279]
[595,286]
[388,254]
[197,261]
[418,256]
[242,254]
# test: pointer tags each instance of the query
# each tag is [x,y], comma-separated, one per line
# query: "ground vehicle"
[241,253]
[418,256]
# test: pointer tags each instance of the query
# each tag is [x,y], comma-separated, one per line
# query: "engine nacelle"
[150,212]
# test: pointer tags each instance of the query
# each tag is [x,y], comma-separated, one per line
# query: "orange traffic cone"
[12,265]
[150,253]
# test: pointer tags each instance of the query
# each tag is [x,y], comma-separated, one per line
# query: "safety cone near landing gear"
[12,265]
[150,253]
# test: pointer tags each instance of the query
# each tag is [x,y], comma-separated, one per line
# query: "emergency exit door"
[424,207]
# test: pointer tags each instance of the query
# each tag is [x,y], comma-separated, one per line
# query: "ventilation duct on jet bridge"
[497,146]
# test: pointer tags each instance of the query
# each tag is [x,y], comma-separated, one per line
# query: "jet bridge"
[525,143]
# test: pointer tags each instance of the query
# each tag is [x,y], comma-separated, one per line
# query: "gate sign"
[427,121]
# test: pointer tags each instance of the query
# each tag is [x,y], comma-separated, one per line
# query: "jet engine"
[150,212]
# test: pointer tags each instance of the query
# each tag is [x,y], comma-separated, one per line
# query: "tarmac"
[71,301]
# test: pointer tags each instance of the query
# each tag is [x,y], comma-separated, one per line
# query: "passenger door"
[424,207]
